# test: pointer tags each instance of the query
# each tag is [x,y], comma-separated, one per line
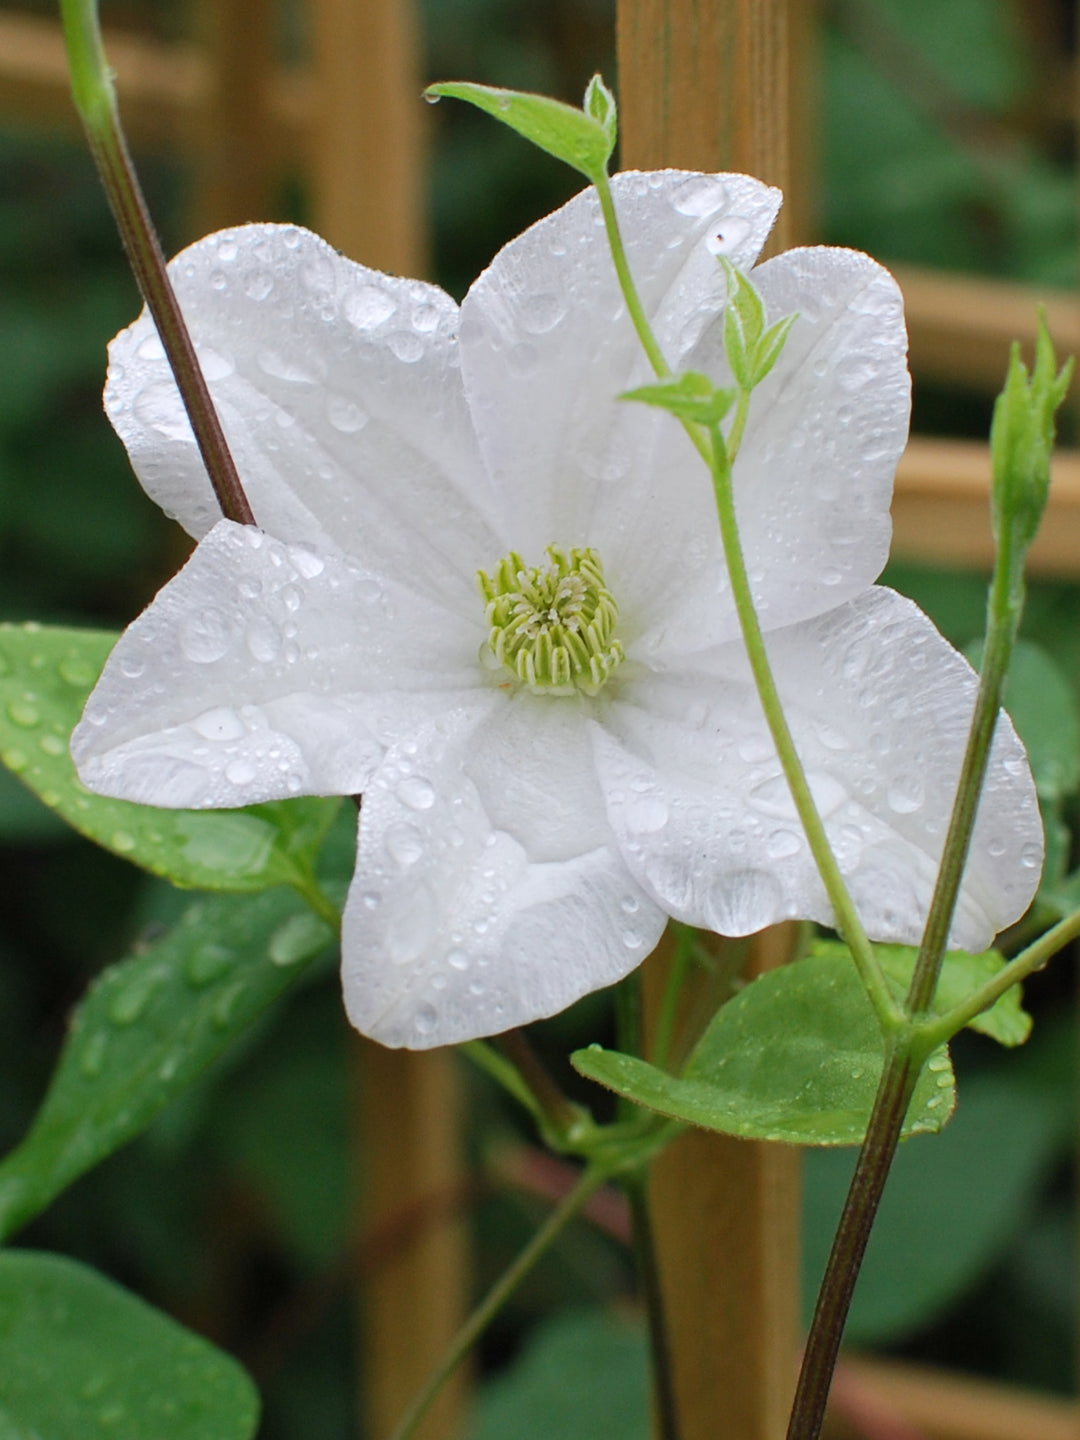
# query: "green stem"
[663,1371]
[626,280]
[942,1028]
[673,986]
[590,1181]
[885,1004]
[486,1058]
[897,1085]
[95,100]
[559,1116]
[1003,618]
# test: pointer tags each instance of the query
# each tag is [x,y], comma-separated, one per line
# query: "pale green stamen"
[553,627]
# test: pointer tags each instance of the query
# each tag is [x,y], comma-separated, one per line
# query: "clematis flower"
[493,599]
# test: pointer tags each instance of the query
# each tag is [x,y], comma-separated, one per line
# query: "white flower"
[519,849]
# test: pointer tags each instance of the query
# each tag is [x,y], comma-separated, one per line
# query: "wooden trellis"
[717,84]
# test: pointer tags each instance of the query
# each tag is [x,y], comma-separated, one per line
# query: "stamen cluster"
[553,627]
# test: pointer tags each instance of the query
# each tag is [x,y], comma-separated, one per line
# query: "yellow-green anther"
[553,627]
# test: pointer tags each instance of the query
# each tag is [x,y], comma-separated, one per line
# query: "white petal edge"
[450,931]
[264,670]
[879,705]
[340,395]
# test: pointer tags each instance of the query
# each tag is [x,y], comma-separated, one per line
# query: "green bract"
[1022,438]
[584,139]
[691,397]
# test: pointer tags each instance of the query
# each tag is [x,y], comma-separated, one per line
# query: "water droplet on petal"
[458,960]
[416,793]
[258,285]
[646,814]
[699,195]
[206,636]
[263,639]
[905,794]
[1031,856]
[369,307]
[344,414]
[541,313]
[426,1019]
[214,365]
[404,843]
[220,723]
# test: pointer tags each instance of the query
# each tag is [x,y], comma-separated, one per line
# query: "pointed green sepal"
[1022,438]
[583,139]
[691,397]
[752,350]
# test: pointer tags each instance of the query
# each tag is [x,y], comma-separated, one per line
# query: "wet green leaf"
[148,1027]
[579,139]
[46,675]
[690,396]
[1007,1022]
[796,1056]
[80,1357]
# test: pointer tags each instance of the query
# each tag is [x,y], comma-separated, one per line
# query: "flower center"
[553,627]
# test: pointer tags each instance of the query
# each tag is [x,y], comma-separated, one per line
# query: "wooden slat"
[162,89]
[939,1405]
[961,326]
[714,85]
[941,509]
[365,168]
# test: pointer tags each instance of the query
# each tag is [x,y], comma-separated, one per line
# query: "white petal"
[879,705]
[264,670]
[451,931]
[547,346]
[340,396]
[814,476]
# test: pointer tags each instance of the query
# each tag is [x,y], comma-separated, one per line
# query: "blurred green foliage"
[945,140]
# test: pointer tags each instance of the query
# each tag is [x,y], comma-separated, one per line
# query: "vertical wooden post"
[715,85]
[367,184]
[235,168]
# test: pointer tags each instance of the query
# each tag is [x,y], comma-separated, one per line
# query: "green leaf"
[580,1376]
[690,396]
[148,1028]
[581,140]
[46,675]
[1007,1022]
[770,347]
[600,104]
[80,1357]
[796,1056]
[1042,706]
[744,320]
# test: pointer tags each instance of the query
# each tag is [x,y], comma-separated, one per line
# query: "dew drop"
[1031,856]
[345,415]
[24,713]
[426,1020]
[92,1055]
[150,349]
[646,814]
[307,563]
[905,794]
[258,285]
[416,792]
[263,640]
[541,313]
[458,960]
[297,938]
[214,365]
[206,963]
[285,367]
[404,843]
[129,1002]
[220,723]
[698,196]
[368,307]
[122,841]
[205,636]
[225,1004]
[76,671]
[783,843]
